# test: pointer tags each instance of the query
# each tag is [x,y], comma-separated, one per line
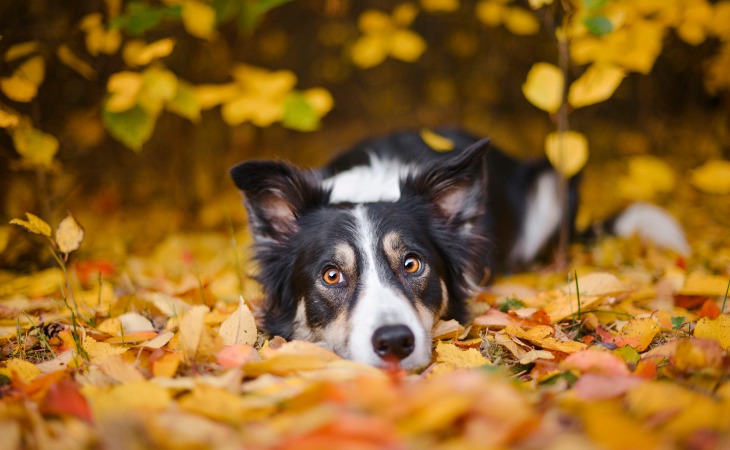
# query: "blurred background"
[137,109]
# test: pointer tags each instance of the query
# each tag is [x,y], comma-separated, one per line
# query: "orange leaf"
[596,361]
[64,399]
[709,309]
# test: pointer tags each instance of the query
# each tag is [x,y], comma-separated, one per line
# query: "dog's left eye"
[411,264]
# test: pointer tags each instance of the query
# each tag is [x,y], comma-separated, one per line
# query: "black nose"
[393,342]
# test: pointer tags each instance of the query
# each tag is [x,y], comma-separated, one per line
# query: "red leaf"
[65,399]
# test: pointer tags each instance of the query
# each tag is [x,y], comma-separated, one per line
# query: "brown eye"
[332,275]
[411,264]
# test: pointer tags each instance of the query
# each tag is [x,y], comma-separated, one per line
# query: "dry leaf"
[34,224]
[638,333]
[597,283]
[542,336]
[69,235]
[239,327]
[715,329]
[192,325]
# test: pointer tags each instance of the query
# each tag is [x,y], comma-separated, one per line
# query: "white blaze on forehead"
[378,305]
[378,181]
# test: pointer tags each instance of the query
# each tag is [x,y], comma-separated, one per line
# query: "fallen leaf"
[542,336]
[595,386]
[451,354]
[65,399]
[595,361]
[597,283]
[446,329]
[191,330]
[716,329]
[533,355]
[638,333]
[166,366]
[700,283]
[236,355]
[239,327]
[20,370]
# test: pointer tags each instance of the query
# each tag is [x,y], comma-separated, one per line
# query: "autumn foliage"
[128,311]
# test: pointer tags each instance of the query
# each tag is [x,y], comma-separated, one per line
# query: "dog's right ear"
[277,194]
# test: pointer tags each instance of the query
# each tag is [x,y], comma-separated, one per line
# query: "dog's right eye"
[332,275]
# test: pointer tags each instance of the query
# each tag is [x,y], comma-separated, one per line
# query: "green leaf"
[132,127]
[592,5]
[185,103]
[677,322]
[252,11]
[299,114]
[511,303]
[629,354]
[139,17]
[598,26]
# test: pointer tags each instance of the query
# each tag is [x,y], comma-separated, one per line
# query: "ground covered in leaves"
[115,347]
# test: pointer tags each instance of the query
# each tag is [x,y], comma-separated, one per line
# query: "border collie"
[366,254]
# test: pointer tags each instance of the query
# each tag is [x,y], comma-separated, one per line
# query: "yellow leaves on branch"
[98,38]
[139,53]
[713,177]
[199,19]
[597,84]
[544,87]
[387,35]
[648,176]
[22,85]
[69,233]
[567,152]
[517,20]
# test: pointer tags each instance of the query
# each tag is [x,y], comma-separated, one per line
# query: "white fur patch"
[378,181]
[542,218]
[654,224]
[378,305]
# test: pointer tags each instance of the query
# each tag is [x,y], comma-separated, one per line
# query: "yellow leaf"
[98,39]
[536,4]
[544,87]
[283,364]
[440,5]
[116,400]
[18,89]
[542,336]
[100,350]
[373,21]
[638,333]
[35,146]
[713,177]
[520,21]
[406,45]
[22,86]
[446,329]
[8,119]
[166,366]
[159,85]
[191,330]
[716,329]
[435,141]
[606,422]
[124,88]
[20,369]
[449,353]
[34,224]
[120,370]
[21,50]
[405,13]
[138,53]
[598,83]
[567,152]
[648,176]
[490,12]
[565,306]
[597,283]
[210,95]
[133,322]
[369,51]
[239,327]
[699,283]
[68,57]
[199,19]
[69,235]
[320,99]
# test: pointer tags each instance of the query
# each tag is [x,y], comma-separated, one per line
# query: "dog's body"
[366,254]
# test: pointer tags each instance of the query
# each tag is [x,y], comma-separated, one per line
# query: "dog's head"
[367,280]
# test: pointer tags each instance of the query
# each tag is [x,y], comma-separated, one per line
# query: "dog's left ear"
[456,187]
[277,194]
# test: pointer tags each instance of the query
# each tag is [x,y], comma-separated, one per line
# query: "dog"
[364,255]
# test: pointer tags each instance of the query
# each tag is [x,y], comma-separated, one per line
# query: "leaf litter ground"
[121,347]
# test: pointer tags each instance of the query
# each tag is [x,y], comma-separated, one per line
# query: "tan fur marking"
[345,255]
[393,247]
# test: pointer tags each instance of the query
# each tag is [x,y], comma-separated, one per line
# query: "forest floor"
[145,338]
